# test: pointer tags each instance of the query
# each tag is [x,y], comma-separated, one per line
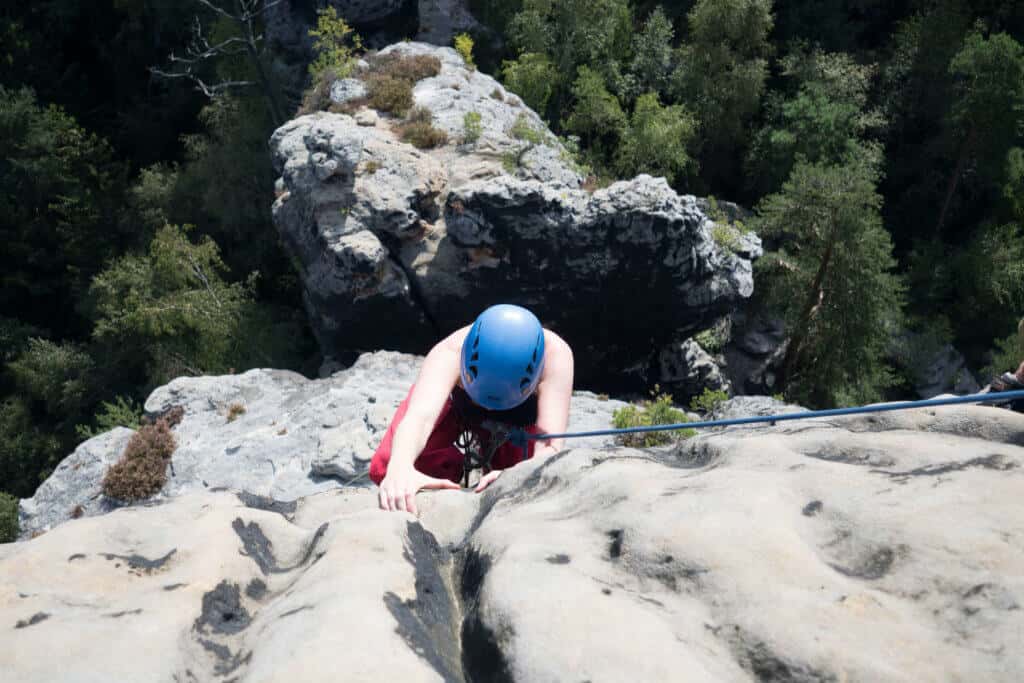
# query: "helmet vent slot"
[529,369]
[473,371]
[475,357]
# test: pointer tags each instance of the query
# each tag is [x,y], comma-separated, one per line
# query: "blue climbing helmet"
[503,357]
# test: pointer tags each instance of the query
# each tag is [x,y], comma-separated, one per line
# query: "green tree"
[989,106]
[596,114]
[832,280]
[721,73]
[826,117]
[58,191]
[656,140]
[170,311]
[651,63]
[335,45]
[572,33]
[533,77]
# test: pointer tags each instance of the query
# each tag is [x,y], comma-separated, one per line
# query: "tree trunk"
[965,150]
[815,297]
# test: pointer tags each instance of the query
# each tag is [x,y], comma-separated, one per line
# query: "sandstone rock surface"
[877,548]
[398,246]
[294,436]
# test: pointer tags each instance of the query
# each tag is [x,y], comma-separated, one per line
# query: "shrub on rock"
[410,68]
[142,470]
[419,130]
[658,411]
[393,76]
[390,94]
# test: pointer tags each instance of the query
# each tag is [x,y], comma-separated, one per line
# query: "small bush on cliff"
[657,411]
[8,518]
[142,470]
[472,128]
[464,46]
[419,130]
[335,45]
[708,400]
[392,78]
[390,94]
[410,68]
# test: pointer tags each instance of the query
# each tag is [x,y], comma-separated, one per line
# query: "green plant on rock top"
[411,68]
[335,45]
[708,400]
[464,46]
[657,411]
[472,127]
[390,94]
[8,518]
[711,339]
[726,237]
[523,130]
[419,130]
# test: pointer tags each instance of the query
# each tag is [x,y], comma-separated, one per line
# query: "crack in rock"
[996,461]
[33,620]
[257,546]
[141,563]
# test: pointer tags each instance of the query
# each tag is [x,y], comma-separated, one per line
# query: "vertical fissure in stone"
[390,243]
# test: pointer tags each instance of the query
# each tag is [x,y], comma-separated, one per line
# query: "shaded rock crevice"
[428,623]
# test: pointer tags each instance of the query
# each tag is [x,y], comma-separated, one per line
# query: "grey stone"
[686,370]
[831,550]
[935,368]
[399,246]
[291,428]
[367,117]
[347,89]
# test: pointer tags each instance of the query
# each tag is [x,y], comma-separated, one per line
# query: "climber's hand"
[486,480]
[400,485]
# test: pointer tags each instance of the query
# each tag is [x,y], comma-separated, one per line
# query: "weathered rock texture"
[399,245]
[295,437]
[877,548]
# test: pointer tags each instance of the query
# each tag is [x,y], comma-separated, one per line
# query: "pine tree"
[832,280]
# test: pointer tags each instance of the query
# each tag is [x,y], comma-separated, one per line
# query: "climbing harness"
[478,456]
[520,436]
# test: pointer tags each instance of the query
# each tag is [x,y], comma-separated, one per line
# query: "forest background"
[880,144]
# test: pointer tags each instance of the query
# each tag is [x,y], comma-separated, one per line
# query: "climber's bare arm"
[438,375]
[554,393]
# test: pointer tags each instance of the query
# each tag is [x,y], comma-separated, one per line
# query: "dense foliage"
[880,143]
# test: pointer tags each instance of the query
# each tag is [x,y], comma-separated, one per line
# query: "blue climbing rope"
[519,437]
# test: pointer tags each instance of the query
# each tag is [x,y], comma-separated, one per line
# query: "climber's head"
[503,357]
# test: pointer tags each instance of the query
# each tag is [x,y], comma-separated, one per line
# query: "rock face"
[839,550]
[399,246]
[295,437]
[687,369]
[755,352]
[934,367]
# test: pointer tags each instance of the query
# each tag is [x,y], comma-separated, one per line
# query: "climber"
[504,368]
[1010,381]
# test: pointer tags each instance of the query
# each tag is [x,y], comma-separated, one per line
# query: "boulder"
[687,370]
[398,246]
[268,433]
[853,549]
